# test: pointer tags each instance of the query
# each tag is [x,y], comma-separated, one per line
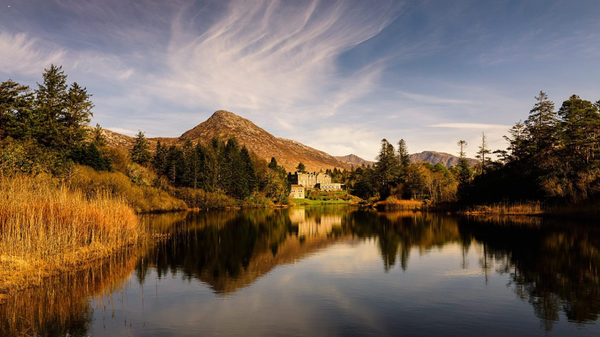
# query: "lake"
[330,271]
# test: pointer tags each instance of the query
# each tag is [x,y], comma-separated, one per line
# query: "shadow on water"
[551,265]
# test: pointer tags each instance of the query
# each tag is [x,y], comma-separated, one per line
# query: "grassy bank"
[300,202]
[47,228]
[136,190]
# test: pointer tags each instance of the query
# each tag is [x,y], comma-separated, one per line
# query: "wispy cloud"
[433,99]
[23,54]
[273,56]
[480,126]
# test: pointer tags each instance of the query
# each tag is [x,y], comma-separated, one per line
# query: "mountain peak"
[219,114]
[224,124]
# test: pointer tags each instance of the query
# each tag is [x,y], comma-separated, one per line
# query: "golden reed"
[47,229]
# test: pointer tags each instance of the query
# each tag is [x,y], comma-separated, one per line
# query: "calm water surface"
[330,271]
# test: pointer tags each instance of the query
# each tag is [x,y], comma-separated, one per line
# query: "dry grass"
[524,208]
[62,306]
[47,229]
[142,197]
[394,204]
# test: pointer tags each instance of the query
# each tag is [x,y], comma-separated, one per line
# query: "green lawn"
[317,202]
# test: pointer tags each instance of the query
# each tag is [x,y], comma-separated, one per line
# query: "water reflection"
[553,266]
[60,307]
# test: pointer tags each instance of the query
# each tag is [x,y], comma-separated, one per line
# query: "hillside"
[438,157]
[354,160]
[288,153]
[224,124]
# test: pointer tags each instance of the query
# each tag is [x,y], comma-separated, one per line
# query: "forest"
[45,131]
[552,157]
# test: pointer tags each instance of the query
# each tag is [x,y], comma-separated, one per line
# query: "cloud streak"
[23,54]
[270,56]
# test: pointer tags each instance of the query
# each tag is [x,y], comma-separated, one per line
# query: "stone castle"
[302,180]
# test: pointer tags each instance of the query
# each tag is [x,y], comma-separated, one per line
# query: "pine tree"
[463,163]
[140,152]
[251,179]
[300,167]
[403,156]
[77,113]
[273,164]
[50,104]
[98,136]
[387,169]
[482,153]
[16,103]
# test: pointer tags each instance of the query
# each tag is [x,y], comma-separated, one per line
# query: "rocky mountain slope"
[224,124]
[288,153]
[433,157]
[354,160]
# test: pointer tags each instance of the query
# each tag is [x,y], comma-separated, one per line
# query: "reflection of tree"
[552,267]
[398,233]
[217,245]
[61,306]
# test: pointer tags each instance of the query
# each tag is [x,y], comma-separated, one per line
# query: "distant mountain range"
[288,153]
[433,157]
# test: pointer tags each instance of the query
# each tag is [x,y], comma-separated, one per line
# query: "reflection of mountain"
[230,250]
[553,267]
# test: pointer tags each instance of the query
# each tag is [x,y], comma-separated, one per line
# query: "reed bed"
[62,307]
[521,208]
[394,204]
[46,229]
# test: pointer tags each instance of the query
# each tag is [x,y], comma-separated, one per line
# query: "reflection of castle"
[314,226]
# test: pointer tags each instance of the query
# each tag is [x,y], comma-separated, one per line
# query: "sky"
[336,75]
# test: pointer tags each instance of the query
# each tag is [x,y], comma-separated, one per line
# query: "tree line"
[46,130]
[553,155]
[221,167]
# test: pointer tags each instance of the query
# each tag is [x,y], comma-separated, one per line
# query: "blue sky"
[335,75]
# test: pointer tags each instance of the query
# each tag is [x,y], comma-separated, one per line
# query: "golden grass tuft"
[521,208]
[392,203]
[46,229]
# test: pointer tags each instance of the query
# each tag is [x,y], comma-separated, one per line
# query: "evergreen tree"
[387,169]
[89,155]
[249,171]
[50,108]
[463,164]
[581,130]
[16,104]
[541,126]
[403,156]
[483,154]
[273,164]
[77,113]
[300,167]
[140,152]
[159,160]
[98,136]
